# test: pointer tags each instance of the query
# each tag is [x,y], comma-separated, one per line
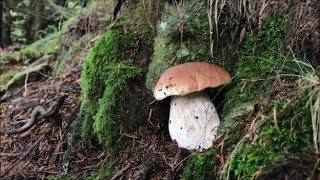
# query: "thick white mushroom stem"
[193,121]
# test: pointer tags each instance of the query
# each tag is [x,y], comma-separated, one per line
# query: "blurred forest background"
[23,22]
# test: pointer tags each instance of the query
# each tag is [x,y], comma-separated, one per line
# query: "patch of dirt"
[37,152]
[149,154]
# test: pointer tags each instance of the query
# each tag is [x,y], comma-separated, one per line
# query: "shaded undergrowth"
[282,97]
[271,114]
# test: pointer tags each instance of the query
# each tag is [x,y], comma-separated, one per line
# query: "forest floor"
[42,149]
[38,151]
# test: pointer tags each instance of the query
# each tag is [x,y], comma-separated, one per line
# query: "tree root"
[37,111]
[19,78]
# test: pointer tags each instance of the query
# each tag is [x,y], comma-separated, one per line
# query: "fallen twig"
[55,153]
[121,172]
[149,117]
[39,110]
[27,133]
[10,154]
[25,93]
[19,77]
[130,135]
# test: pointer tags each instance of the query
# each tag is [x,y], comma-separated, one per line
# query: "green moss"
[6,77]
[140,18]
[189,20]
[102,173]
[163,54]
[259,60]
[200,166]
[44,46]
[285,129]
[104,76]
[103,81]
[291,135]
[105,123]
[175,46]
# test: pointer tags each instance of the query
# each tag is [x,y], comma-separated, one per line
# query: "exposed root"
[39,110]
[20,77]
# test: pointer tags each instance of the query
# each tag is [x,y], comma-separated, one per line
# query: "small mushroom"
[193,118]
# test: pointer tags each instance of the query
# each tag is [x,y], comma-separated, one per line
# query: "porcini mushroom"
[193,120]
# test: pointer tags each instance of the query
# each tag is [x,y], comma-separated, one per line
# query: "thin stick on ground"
[25,93]
[121,172]
[37,111]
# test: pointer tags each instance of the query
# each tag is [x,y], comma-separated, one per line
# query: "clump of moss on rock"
[179,39]
[140,18]
[103,78]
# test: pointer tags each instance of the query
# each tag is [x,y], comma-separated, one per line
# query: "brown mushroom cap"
[189,77]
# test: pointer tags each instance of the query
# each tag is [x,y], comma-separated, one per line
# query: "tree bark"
[84,3]
[6,24]
[61,2]
[34,21]
[1,15]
